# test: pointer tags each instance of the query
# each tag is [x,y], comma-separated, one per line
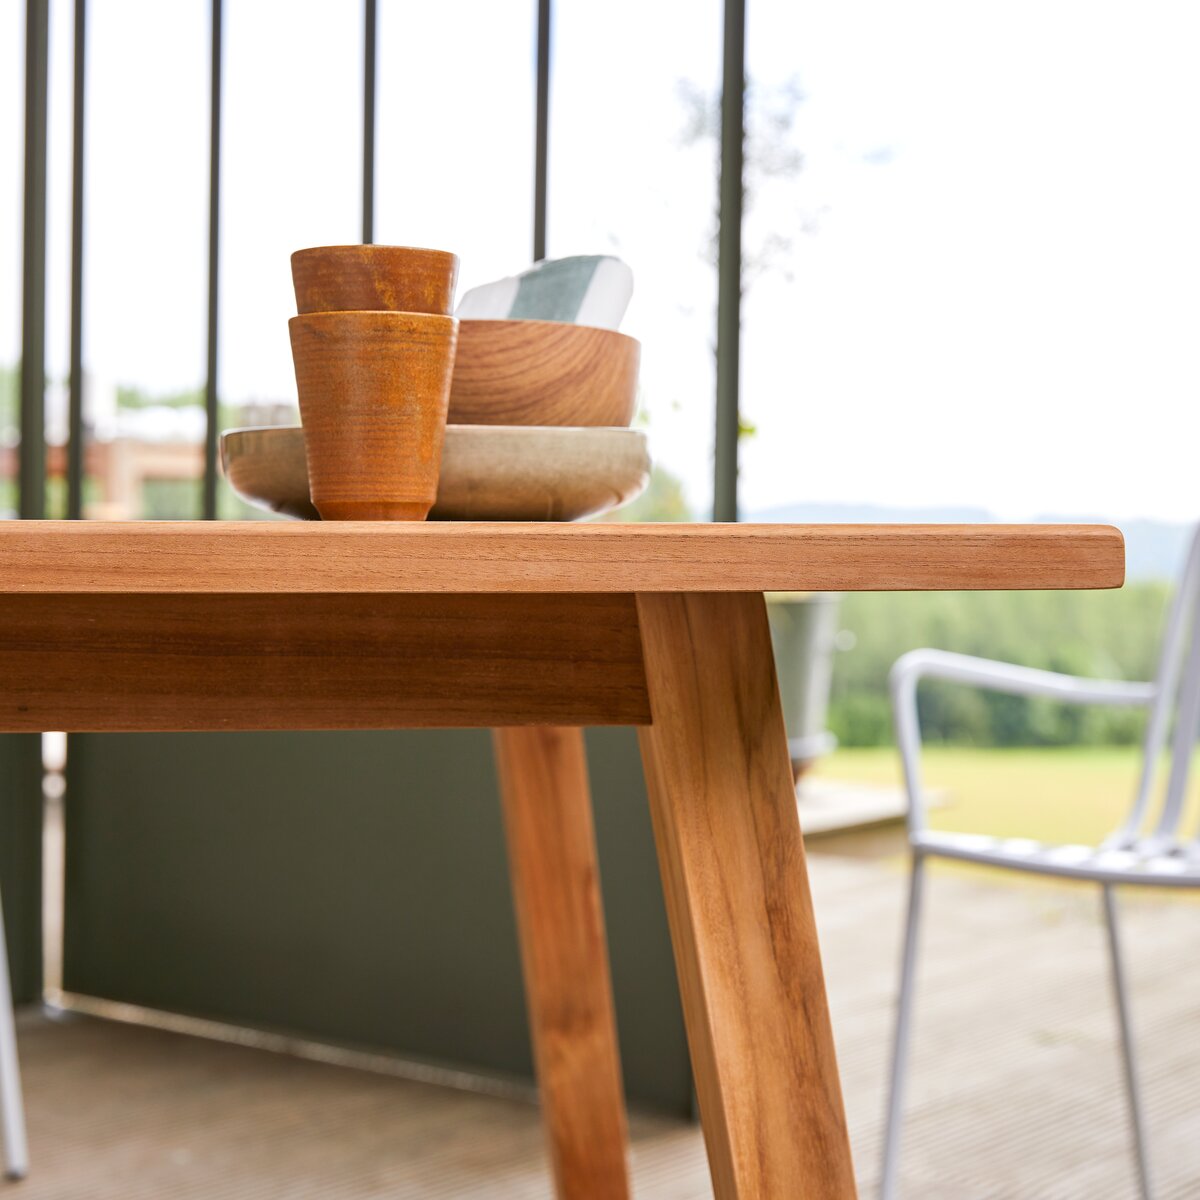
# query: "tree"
[663,500]
[771,161]
[10,401]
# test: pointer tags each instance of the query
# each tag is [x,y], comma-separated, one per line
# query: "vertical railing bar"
[370,60]
[75,446]
[214,247]
[541,131]
[31,454]
[729,263]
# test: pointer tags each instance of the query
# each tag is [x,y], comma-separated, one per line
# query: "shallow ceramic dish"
[543,373]
[489,472]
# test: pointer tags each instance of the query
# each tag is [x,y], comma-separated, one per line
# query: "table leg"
[736,887]
[556,892]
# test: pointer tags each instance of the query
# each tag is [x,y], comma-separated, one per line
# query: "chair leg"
[12,1106]
[908,962]
[1127,1047]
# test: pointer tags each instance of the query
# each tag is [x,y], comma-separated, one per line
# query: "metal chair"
[1149,848]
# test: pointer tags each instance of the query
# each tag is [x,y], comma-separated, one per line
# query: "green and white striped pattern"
[585,289]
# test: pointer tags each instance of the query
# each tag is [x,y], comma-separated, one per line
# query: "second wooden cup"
[374,389]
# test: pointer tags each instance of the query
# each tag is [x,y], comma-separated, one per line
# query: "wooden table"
[536,631]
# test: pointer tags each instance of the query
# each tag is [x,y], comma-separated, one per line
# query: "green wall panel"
[21,860]
[351,887]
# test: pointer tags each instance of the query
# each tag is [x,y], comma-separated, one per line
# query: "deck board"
[1015,1084]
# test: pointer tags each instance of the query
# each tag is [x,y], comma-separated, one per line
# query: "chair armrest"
[916,665]
[1007,677]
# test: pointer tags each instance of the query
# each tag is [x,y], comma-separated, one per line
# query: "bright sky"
[998,305]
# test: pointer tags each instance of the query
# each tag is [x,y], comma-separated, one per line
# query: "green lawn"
[1053,794]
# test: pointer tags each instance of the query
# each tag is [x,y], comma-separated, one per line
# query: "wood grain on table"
[479,557]
[109,663]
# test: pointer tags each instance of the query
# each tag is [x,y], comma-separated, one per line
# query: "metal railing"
[32,456]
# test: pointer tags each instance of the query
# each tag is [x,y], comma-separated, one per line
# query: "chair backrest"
[1177,698]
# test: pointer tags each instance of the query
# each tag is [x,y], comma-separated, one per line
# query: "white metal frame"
[1145,849]
[12,1106]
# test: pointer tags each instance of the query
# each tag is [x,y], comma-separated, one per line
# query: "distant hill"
[817,514]
[1153,549]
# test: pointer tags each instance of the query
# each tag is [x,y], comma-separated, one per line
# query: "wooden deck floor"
[1015,1084]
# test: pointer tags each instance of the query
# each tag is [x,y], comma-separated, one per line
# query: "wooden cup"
[374,278]
[374,390]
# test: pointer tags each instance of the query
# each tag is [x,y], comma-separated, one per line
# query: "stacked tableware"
[515,412]
[373,347]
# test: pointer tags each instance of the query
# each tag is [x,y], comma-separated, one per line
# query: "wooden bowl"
[374,279]
[543,373]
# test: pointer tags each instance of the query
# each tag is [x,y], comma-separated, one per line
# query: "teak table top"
[239,557]
[536,630]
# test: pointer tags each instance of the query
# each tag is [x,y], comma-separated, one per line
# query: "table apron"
[153,662]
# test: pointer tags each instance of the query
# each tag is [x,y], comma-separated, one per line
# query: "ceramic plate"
[489,472]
